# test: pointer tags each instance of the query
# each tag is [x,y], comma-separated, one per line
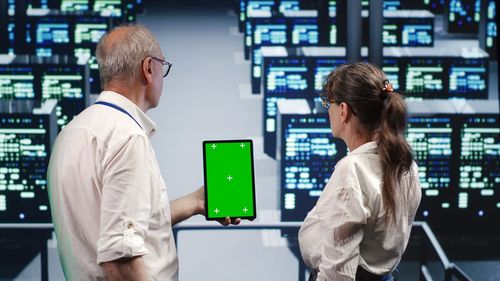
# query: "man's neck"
[134,93]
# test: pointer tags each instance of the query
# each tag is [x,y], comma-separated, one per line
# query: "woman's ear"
[345,112]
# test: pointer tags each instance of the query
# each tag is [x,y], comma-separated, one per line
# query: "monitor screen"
[109,8]
[491,30]
[48,36]
[459,169]
[391,5]
[74,5]
[431,139]
[463,16]
[17,83]
[69,86]
[335,32]
[406,31]
[268,33]
[260,5]
[304,31]
[322,68]
[479,168]
[289,5]
[392,70]
[424,78]
[37,4]
[390,34]
[468,78]
[434,6]
[287,76]
[415,34]
[309,154]
[88,31]
[24,156]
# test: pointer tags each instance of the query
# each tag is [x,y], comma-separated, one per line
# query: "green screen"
[229,179]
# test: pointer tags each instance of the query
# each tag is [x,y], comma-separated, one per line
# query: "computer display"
[74,5]
[391,5]
[24,155]
[390,34]
[414,34]
[289,5]
[260,5]
[479,170]
[304,31]
[459,169]
[491,30]
[434,6]
[468,78]
[403,30]
[334,34]
[268,33]
[88,31]
[291,78]
[431,139]
[69,86]
[17,83]
[47,36]
[110,8]
[392,69]
[322,68]
[37,4]
[463,16]
[256,70]
[309,154]
[286,76]
[424,78]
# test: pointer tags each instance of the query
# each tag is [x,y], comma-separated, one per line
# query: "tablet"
[229,179]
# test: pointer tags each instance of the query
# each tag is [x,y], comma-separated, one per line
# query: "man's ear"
[147,71]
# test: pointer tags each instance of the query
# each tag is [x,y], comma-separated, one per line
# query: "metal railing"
[430,243]
[450,269]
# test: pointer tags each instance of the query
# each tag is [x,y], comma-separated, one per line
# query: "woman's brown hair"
[382,113]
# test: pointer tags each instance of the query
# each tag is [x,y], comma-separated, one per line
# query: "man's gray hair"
[122,59]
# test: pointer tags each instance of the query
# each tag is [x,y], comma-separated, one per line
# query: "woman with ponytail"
[362,221]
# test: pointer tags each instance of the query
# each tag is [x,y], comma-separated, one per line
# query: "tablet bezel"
[206,184]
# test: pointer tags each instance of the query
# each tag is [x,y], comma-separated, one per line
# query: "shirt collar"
[367,148]
[121,101]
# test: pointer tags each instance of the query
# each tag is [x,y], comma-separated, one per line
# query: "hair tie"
[386,89]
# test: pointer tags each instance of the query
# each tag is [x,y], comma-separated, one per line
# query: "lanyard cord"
[119,109]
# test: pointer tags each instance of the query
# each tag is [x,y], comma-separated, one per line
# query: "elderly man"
[109,203]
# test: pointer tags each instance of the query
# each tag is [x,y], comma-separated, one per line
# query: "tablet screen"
[229,179]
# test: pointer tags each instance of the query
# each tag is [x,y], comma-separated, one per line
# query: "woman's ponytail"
[394,151]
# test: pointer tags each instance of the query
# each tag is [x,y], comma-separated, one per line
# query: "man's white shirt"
[107,196]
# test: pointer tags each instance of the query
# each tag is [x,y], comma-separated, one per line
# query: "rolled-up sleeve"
[343,232]
[126,201]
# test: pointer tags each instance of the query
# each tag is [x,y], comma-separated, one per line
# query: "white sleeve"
[343,222]
[126,202]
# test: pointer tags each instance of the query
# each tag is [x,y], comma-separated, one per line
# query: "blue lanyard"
[119,109]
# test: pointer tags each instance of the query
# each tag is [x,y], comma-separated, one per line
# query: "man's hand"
[193,204]
[199,199]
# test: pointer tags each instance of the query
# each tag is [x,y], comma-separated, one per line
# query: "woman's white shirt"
[347,227]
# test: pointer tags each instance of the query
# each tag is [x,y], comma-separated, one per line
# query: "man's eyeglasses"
[165,66]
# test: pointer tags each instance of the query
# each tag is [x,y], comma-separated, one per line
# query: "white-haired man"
[109,203]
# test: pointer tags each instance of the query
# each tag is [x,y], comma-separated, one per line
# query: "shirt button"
[130,225]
